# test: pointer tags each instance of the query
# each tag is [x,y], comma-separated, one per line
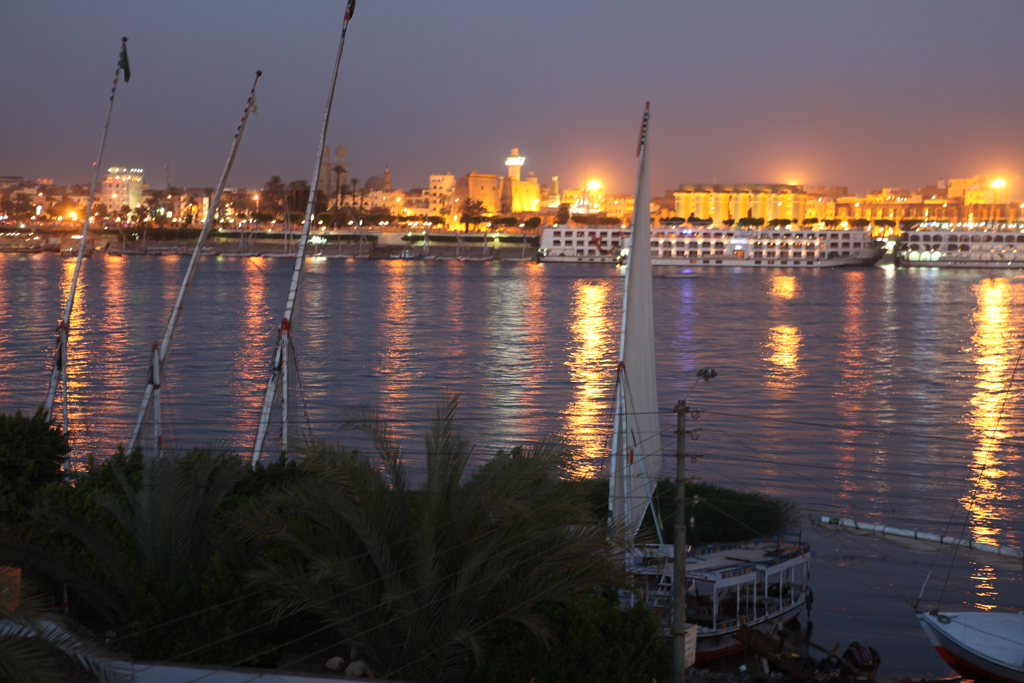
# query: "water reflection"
[782,351]
[993,344]
[592,376]
[783,286]
[855,371]
[396,339]
[251,368]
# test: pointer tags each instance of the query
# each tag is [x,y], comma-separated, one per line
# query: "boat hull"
[979,644]
[717,645]
[961,249]
[715,247]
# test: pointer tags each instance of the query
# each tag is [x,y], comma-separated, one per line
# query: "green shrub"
[592,640]
[32,452]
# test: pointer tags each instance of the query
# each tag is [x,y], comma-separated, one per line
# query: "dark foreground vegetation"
[502,572]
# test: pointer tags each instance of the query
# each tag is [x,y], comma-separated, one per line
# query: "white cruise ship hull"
[960,249]
[715,247]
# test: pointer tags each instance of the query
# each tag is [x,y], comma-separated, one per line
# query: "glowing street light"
[998,184]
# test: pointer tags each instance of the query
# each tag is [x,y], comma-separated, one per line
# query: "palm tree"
[412,576]
[298,194]
[37,646]
[472,212]
[273,193]
[166,528]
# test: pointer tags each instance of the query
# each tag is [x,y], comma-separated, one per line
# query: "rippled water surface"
[877,394]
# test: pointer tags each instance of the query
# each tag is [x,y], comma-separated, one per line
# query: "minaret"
[515,164]
[387,178]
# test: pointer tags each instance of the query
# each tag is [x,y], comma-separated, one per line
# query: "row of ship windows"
[955,247]
[914,237]
[737,254]
[693,245]
[716,235]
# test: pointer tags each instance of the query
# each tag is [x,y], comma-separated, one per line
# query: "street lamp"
[997,185]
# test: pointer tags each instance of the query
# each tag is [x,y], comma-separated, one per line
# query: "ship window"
[557,243]
[558,233]
[590,252]
[975,238]
[856,245]
[846,253]
[950,247]
[718,262]
[952,238]
[997,238]
[965,247]
[1020,238]
[915,238]
[988,238]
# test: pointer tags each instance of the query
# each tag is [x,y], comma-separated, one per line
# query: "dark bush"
[593,640]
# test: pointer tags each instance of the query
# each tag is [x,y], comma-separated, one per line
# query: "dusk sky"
[865,94]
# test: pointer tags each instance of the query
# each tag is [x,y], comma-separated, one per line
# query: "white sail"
[636,440]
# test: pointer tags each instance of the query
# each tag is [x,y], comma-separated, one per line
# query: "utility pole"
[679,662]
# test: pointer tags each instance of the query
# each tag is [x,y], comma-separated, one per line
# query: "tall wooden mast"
[59,373]
[277,383]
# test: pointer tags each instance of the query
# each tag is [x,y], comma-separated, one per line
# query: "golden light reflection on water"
[782,352]
[250,369]
[594,382]
[79,421]
[995,331]
[854,369]
[395,371]
[783,286]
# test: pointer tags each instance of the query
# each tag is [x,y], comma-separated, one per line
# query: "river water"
[878,394]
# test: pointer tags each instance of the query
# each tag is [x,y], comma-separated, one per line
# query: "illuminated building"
[121,187]
[724,202]
[500,194]
[442,186]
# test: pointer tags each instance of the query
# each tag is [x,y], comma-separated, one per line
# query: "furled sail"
[636,439]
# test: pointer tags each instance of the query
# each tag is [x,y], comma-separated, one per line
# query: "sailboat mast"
[159,359]
[278,380]
[59,374]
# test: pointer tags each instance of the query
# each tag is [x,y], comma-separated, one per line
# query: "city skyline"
[869,95]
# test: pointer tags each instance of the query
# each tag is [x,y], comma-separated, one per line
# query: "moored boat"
[757,584]
[960,249]
[716,246]
[986,645]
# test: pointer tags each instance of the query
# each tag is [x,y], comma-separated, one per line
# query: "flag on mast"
[122,63]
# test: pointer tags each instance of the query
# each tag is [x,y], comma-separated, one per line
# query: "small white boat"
[979,644]
[758,584]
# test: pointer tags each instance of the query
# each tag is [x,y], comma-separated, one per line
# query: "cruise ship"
[715,246]
[961,249]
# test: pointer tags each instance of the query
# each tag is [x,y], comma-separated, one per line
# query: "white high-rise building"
[121,187]
[441,189]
